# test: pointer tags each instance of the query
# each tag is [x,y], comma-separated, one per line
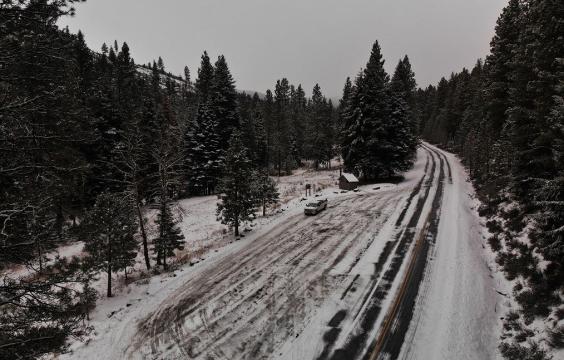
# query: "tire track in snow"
[303,242]
[367,314]
[393,333]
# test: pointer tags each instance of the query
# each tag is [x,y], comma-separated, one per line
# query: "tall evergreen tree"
[224,101]
[281,144]
[204,159]
[269,127]
[110,228]
[299,119]
[376,144]
[170,237]
[238,201]
[374,100]
[403,81]
[319,137]
[502,50]
[266,191]
[344,104]
[352,141]
[204,82]
[130,162]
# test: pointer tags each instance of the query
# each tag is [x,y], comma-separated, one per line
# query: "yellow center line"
[389,320]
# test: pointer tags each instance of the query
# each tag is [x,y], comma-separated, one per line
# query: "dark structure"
[348,182]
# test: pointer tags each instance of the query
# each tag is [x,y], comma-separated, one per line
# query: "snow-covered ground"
[298,287]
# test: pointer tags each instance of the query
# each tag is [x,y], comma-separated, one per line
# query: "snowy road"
[395,272]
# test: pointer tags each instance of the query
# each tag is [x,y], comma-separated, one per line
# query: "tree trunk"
[109,270]
[60,221]
[160,248]
[263,207]
[236,225]
[143,235]
[165,266]
[40,254]
[279,163]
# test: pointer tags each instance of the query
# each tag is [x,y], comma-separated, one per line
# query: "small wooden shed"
[348,182]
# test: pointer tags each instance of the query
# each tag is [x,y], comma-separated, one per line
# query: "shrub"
[559,313]
[556,337]
[520,352]
[523,335]
[495,243]
[494,226]
[511,321]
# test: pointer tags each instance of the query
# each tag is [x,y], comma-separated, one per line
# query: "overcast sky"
[307,41]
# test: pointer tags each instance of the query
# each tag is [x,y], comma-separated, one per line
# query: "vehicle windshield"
[311,205]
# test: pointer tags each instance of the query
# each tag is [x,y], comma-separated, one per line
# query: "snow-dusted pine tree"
[238,201]
[109,230]
[266,190]
[170,236]
[224,101]
[204,156]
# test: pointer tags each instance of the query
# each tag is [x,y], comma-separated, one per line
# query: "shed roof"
[350,177]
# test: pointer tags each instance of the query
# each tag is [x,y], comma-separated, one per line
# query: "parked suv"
[316,207]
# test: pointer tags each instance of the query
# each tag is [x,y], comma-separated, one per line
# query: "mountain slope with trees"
[505,119]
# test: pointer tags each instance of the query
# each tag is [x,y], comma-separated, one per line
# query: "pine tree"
[130,162]
[187,76]
[168,157]
[379,135]
[160,65]
[269,127]
[403,84]
[261,151]
[204,82]
[238,203]
[344,104]
[401,133]
[280,150]
[352,140]
[374,107]
[403,81]
[319,137]
[499,68]
[266,191]
[299,122]
[170,236]
[110,228]
[224,101]
[204,159]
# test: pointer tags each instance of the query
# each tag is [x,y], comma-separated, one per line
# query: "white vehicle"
[316,207]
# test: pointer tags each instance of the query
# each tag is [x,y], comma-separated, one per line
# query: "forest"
[89,139]
[505,119]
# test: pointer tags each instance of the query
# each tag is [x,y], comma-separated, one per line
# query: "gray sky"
[307,41]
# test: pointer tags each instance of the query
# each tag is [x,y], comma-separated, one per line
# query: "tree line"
[505,118]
